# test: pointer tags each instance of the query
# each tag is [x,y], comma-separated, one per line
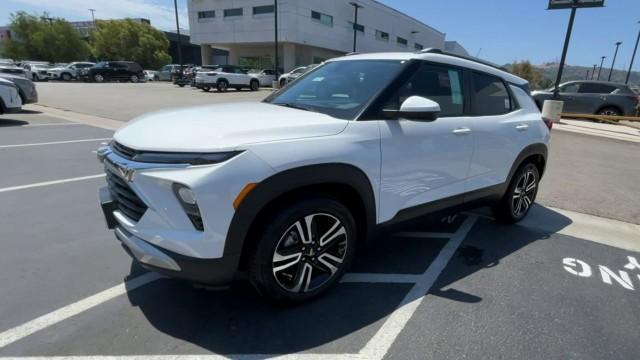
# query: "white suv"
[286,190]
[226,76]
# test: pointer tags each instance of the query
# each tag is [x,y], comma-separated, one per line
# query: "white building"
[310,31]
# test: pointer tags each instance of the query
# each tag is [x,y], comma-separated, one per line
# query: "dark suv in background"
[593,97]
[113,70]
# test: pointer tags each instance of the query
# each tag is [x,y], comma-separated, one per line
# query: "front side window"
[491,96]
[438,83]
[339,88]
[569,88]
[593,88]
[233,12]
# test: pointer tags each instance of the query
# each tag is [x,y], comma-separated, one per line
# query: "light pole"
[355,23]
[601,63]
[633,57]
[572,17]
[93,18]
[275,13]
[175,5]
[593,73]
[614,59]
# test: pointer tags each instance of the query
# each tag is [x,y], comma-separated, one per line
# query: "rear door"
[501,133]
[592,96]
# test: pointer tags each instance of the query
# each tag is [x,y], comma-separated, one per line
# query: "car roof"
[595,82]
[438,57]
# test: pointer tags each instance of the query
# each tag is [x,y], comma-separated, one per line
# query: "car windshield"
[339,88]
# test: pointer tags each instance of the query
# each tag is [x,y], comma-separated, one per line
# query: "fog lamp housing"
[189,204]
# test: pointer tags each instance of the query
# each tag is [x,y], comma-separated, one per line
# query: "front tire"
[520,195]
[610,111]
[98,78]
[134,78]
[66,77]
[222,86]
[254,85]
[304,250]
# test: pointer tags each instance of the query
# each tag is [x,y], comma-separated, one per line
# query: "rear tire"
[610,111]
[254,85]
[520,195]
[304,250]
[65,77]
[206,88]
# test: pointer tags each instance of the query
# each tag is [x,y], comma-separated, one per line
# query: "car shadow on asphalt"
[12,123]
[238,321]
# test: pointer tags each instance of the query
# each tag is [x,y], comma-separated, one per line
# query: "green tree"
[43,38]
[525,70]
[130,40]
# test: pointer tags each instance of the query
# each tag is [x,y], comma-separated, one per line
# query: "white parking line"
[52,143]
[47,183]
[380,343]
[26,329]
[52,124]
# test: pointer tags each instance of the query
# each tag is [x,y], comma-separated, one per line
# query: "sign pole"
[556,89]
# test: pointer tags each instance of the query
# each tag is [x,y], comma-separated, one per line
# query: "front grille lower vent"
[125,152]
[128,202]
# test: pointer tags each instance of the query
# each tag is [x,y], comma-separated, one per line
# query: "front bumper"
[154,258]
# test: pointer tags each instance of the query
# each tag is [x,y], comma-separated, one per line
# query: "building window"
[261,10]
[381,35]
[209,14]
[357,27]
[402,42]
[233,12]
[323,18]
[418,46]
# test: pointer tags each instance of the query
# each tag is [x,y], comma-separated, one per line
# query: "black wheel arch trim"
[288,181]
[537,149]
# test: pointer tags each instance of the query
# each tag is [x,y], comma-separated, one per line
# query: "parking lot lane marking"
[52,318]
[424,235]
[380,343]
[53,182]
[52,143]
[380,278]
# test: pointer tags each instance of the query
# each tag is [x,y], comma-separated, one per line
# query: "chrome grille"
[128,202]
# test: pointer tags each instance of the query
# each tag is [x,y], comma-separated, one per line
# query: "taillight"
[548,122]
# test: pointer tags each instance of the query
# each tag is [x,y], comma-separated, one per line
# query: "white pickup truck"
[226,76]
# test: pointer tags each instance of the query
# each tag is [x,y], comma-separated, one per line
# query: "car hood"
[224,127]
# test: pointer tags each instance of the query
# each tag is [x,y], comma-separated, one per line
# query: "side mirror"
[419,108]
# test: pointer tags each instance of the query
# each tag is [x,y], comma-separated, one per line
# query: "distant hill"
[550,71]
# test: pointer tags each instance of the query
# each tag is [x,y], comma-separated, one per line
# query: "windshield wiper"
[294,106]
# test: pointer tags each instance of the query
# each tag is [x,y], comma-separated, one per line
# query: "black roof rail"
[470,58]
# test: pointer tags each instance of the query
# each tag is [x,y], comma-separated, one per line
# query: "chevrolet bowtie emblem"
[125,172]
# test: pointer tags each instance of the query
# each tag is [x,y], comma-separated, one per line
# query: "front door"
[426,161]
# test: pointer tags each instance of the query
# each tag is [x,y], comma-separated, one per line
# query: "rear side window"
[438,83]
[491,96]
[590,88]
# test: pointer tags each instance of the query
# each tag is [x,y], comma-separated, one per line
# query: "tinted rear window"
[491,96]
[590,88]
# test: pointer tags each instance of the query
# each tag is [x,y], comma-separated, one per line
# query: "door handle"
[522,127]
[462,131]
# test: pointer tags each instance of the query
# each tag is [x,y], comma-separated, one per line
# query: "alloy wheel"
[310,253]
[524,193]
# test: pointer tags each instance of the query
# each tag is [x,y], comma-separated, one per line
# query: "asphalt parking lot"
[562,284]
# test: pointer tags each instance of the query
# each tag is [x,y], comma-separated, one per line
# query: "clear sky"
[506,30]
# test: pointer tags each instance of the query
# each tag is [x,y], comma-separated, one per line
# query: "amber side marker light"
[243,194]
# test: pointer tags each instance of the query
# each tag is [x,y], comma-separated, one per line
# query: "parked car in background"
[226,76]
[194,72]
[68,72]
[150,75]
[36,70]
[26,87]
[171,71]
[10,101]
[266,77]
[114,70]
[593,97]
[294,74]
[12,69]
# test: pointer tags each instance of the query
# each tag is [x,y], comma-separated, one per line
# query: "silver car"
[593,97]
[26,88]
